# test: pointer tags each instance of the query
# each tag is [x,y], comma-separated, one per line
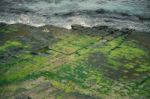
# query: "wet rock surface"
[81,63]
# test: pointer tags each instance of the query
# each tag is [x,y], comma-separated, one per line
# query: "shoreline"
[70,27]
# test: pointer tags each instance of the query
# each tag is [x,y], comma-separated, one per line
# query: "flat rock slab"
[80,63]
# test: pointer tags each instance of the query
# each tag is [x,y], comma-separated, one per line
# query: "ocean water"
[133,14]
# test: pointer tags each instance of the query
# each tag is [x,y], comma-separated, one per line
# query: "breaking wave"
[133,14]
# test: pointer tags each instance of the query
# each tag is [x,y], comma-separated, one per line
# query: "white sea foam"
[64,13]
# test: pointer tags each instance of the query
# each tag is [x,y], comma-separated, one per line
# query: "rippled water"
[116,13]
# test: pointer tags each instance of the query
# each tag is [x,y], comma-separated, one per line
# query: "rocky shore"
[50,62]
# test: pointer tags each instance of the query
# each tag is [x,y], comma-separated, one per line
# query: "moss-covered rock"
[98,62]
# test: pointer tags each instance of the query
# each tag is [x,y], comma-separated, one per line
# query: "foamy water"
[115,13]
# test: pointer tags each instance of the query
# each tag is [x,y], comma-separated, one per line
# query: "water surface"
[115,13]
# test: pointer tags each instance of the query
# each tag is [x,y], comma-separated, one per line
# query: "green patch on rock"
[88,65]
[111,45]
[7,29]
[80,77]
[71,43]
[10,45]
[8,54]
[126,58]
[128,51]
[23,65]
[16,60]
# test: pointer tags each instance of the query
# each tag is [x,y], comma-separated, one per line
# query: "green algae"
[128,51]
[77,77]
[9,45]
[8,29]
[82,77]
[81,63]
[111,45]
[68,87]
[21,62]
[8,53]
[22,68]
[126,56]
[73,42]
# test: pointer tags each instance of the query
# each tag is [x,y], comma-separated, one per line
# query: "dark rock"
[3,24]
[34,53]
[101,27]
[127,31]
[77,27]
